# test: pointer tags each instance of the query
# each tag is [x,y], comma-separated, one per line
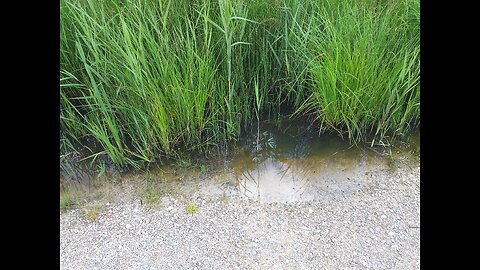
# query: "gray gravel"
[376,227]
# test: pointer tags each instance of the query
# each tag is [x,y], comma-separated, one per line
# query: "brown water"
[285,164]
[293,163]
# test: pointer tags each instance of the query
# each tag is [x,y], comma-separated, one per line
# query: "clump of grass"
[184,163]
[192,208]
[150,194]
[70,196]
[204,169]
[91,212]
[364,67]
[67,201]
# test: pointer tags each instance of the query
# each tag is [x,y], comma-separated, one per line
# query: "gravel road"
[376,227]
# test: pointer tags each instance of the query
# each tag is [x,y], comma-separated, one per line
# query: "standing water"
[286,163]
[294,163]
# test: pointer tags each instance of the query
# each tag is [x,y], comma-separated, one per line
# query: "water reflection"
[290,162]
[294,163]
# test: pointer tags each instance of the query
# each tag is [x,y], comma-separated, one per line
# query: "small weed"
[69,196]
[204,169]
[92,212]
[101,169]
[150,194]
[192,208]
[184,163]
[66,201]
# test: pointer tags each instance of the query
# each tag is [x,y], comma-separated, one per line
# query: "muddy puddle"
[293,163]
[284,163]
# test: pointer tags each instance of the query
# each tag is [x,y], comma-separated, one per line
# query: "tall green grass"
[140,79]
[363,62]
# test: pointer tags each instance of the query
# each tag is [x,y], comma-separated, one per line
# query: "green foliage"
[150,193]
[91,212]
[140,79]
[66,201]
[364,67]
[192,208]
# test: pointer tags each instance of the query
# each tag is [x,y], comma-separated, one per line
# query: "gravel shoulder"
[377,227]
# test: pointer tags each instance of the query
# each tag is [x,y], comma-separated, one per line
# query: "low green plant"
[204,169]
[192,208]
[66,201]
[92,211]
[184,163]
[150,194]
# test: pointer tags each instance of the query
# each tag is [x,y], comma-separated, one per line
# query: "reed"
[142,79]
[364,68]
